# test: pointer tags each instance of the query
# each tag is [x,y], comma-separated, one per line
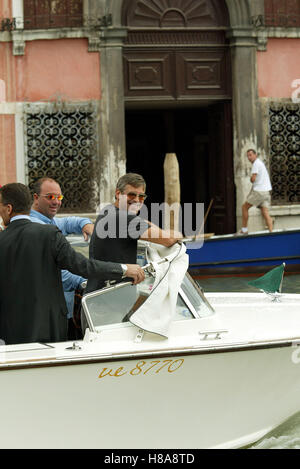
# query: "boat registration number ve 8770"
[143,367]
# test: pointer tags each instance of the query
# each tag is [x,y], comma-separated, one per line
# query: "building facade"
[90,89]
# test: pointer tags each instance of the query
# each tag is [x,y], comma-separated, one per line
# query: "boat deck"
[240,321]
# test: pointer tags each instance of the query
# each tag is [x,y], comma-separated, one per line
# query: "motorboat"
[222,373]
[253,253]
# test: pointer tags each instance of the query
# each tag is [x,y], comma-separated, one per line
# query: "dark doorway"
[150,134]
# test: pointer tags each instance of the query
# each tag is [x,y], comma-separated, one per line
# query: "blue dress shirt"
[67,225]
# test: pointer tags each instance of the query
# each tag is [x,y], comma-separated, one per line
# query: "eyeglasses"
[53,197]
[133,195]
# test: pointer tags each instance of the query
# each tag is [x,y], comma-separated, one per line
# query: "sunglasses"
[133,195]
[53,197]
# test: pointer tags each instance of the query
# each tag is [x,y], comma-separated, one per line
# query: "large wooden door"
[176,51]
[221,175]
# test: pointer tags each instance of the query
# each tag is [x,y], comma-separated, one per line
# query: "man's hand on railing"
[135,272]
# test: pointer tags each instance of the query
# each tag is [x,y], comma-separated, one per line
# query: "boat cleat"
[75,347]
[212,335]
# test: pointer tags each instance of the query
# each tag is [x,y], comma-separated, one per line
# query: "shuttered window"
[61,142]
[45,14]
[285,152]
[282,13]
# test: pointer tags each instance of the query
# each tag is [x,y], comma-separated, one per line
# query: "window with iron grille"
[282,13]
[45,14]
[61,143]
[285,153]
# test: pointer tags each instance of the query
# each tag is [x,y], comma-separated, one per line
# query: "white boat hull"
[196,399]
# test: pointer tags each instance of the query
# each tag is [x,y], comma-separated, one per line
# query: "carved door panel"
[221,179]
[202,73]
[177,74]
[149,73]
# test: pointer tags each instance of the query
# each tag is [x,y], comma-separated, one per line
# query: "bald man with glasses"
[47,200]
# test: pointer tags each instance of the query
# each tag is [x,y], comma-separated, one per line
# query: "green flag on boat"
[271,282]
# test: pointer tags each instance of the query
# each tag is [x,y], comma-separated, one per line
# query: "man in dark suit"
[32,304]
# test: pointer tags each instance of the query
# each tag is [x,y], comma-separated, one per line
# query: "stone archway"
[181,13]
[240,11]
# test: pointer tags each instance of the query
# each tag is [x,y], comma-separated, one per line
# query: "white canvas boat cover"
[156,313]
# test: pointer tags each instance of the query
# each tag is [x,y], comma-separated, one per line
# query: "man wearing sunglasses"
[120,244]
[47,200]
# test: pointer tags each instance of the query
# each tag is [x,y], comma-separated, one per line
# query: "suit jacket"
[32,304]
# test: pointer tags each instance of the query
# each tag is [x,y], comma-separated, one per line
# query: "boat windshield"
[115,304]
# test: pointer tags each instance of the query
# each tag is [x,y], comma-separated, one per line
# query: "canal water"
[287,435]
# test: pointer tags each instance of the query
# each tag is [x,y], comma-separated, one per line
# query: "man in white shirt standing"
[259,195]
